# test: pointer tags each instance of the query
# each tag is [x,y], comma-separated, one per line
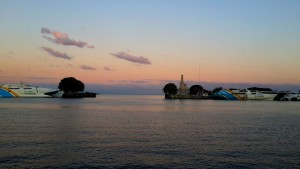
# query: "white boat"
[291,97]
[252,94]
[24,90]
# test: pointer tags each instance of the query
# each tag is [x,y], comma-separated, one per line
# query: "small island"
[183,92]
[74,88]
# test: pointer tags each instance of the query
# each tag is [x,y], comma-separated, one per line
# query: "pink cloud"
[63,39]
[90,46]
[131,58]
[55,53]
[107,68]
[85,67]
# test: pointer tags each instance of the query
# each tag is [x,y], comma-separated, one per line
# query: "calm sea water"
[148,132]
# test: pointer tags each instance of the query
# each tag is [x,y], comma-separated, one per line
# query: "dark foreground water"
[148,132]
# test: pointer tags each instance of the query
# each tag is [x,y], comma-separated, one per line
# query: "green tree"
[217,89]
[195,89]
[170,88]
[71,85]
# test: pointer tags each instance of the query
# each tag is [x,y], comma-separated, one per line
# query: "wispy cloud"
[63,39]
[55,66]
[41,78]
[85,67]
[10,54]
[131,58]
[137,82]
[107,68]
[46,31]
[55,53]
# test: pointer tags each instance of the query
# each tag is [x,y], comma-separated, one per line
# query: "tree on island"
[195,89]
[170,88]
[71,85]
[217,89]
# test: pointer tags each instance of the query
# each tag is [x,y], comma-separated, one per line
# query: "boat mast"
[199,74]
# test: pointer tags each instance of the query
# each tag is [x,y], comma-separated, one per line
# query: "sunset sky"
[150,42]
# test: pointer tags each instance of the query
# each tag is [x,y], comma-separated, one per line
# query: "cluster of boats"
[25,90]
[255,94]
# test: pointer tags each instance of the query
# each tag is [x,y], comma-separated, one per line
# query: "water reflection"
[143,131]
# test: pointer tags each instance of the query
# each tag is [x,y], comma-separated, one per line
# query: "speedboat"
[25,90]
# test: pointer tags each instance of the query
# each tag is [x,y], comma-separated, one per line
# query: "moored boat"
[25,90]
[291,97]
[256,93]
[245,94]
[227,94]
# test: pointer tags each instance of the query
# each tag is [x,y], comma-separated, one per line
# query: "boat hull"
[227,95]
[261,96]
[244,95]
[291,97]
